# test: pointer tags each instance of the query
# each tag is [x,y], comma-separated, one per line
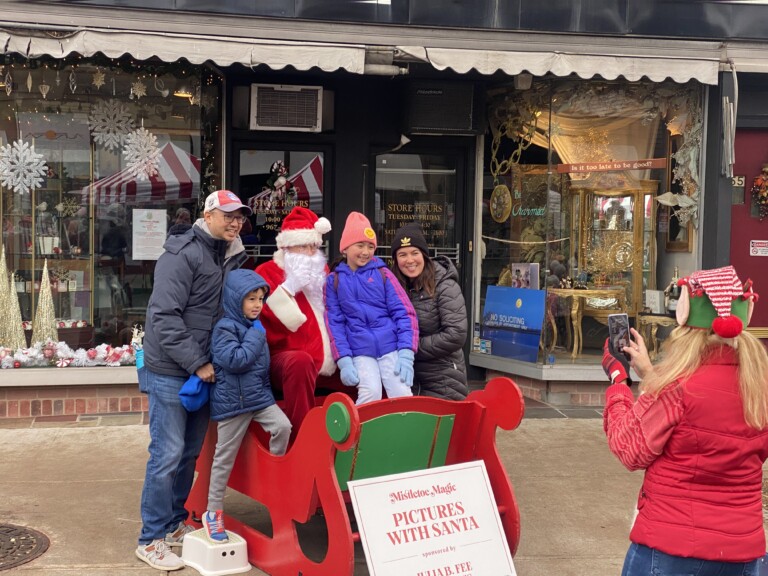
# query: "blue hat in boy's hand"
[194,393]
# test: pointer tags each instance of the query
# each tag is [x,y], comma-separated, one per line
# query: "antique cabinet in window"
[613,219]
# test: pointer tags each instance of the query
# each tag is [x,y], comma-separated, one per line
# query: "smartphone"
[618,333]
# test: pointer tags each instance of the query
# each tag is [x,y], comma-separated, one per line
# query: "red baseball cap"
[225,201]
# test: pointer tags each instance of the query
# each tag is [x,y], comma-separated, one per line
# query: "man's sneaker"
[176,538]
[214,525]
[158,555]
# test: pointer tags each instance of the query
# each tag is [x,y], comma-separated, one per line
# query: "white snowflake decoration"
[109,122]
[21,168]
[141,154]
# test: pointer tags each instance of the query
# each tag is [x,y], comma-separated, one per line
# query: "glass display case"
[614,219]
[52,224]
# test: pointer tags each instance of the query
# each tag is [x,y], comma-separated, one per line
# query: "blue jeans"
[176,438]
[644,561]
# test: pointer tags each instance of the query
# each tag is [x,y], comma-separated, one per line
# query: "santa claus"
[293,315]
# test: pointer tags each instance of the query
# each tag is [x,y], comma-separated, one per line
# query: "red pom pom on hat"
[727,326]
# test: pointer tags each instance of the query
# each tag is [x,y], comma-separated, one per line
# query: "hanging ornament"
[21,168]
[29,82]
[99,79]
[8,82]
[109,122]
[138,89]
[72,81]
[160,87]
[44,88]
[58,79]
[141,154]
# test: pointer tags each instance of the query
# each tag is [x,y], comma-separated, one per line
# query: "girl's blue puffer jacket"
[240,353]
[368,313]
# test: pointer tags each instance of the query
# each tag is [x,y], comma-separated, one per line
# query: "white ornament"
[21,168]
[141,154]
[110,122]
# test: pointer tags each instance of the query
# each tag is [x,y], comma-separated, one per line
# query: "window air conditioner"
[291,108]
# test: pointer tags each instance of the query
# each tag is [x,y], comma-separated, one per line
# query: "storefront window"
[99,159]
[574,169]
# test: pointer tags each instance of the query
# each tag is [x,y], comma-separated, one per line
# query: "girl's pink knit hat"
[357,229]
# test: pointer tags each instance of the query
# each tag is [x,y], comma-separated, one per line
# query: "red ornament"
[92,353]
[48,353]
[16,364]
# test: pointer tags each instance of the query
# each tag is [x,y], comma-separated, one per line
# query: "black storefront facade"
[484,129]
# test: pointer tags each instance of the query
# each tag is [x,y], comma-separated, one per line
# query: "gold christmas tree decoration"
[609,255]
[16,338]
[4,298]
[44,324]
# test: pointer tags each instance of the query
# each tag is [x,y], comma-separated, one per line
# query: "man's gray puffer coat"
[440,369]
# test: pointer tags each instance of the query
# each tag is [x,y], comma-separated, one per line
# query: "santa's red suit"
[299,346]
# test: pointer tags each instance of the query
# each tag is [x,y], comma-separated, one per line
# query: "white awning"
[632,66]
[223,51]
[746,57]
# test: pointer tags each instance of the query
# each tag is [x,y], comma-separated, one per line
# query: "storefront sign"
[149,230]
[512,321]
[758,247]
[436,522]
[648,164]
[430,216]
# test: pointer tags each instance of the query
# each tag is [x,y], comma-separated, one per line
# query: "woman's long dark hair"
[424,281]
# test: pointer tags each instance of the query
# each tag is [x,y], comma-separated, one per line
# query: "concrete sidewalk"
[81,487]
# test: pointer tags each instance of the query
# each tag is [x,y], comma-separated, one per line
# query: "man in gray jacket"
[183,308]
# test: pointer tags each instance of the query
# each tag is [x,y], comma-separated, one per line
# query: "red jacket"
[292,323]
[701,497]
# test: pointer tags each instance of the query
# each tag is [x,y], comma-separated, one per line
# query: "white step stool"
[215,558]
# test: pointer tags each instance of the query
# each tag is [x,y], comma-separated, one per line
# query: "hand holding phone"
[618,334]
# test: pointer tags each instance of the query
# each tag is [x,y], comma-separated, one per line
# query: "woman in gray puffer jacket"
[433,287]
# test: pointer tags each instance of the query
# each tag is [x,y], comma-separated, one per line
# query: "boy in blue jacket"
[242,391]
[373,328]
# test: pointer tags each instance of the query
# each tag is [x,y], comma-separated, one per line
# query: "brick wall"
[29,402]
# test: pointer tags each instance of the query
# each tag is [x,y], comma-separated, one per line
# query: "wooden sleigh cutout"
[338,442]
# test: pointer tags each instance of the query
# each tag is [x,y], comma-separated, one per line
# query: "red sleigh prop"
[339,442]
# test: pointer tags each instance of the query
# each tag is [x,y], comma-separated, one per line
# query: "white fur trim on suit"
[286,309]
[329,366]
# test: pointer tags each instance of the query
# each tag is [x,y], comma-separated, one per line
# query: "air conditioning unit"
[444,107]
[291,108]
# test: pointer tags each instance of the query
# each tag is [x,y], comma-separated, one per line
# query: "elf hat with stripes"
[716,299]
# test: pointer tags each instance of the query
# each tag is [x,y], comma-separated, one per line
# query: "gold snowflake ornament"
[99,79]
[139,89]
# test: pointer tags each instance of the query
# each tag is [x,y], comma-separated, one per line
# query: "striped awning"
[177,179]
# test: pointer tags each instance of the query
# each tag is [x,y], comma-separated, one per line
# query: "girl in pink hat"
[371,322]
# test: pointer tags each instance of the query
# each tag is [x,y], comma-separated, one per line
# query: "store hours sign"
[437,522]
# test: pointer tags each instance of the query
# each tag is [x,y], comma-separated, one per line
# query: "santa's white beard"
[312,267]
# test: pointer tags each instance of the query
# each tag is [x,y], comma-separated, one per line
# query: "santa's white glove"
[298,272]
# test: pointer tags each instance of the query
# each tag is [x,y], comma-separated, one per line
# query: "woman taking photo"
[432,285]
[700,432]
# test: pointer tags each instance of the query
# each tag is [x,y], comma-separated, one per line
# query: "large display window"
[576,174]
[98,160]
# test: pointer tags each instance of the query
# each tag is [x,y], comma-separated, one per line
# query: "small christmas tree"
[15,336]
[44,324]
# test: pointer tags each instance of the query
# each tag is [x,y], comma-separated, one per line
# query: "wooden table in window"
[578,300]
[648,326]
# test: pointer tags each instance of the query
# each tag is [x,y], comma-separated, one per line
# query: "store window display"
[96,156]
[573,168]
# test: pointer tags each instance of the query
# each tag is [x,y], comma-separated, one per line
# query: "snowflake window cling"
[110,122]
[141,154]
[21,168]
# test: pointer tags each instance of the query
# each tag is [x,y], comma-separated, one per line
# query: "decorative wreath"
[760,192]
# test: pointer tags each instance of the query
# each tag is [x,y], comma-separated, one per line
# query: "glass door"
[422,188]
[271,181]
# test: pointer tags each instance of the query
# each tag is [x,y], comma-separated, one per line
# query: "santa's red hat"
[302,227]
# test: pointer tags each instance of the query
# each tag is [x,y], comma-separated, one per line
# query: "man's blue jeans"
[644,561]
[176,438]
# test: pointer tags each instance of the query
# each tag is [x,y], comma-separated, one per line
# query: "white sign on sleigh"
[436,522]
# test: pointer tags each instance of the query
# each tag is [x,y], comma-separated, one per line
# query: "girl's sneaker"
[213,520]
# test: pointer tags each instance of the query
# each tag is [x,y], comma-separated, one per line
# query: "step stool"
[215,558]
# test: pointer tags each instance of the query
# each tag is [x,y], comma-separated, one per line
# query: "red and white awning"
[307,185]
[177,178]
